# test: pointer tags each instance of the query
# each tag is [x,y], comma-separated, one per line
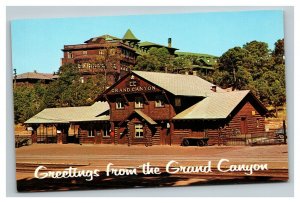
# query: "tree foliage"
[156,59]
[28,100]
[254,66]
[67,91]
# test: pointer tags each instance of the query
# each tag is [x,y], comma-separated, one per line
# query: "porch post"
[63,132]
[171,131]
[59,134]
[113,134]
[34,133]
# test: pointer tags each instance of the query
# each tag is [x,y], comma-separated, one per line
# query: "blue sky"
[37,43]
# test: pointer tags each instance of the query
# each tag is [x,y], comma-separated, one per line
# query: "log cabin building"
[149,108]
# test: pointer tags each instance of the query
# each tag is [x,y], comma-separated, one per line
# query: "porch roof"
[146,117]
[95,112]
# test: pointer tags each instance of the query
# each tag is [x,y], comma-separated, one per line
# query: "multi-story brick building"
[107,55]
[110,56]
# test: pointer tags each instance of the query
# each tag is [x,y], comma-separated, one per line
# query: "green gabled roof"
[206,58]
[181,53]
[151,44]
[130,36]
[106,37]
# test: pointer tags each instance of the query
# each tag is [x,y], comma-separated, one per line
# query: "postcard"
[149,100]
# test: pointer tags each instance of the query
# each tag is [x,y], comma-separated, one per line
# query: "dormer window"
[120,103]
[159,101]
[139,103]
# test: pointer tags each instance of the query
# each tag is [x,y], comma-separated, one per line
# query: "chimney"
[214,88]
[169,42]
[195,72]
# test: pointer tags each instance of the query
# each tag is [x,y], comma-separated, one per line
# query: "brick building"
[107,55]
[31,78]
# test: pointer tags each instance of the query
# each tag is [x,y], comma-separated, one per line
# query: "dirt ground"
[84,157]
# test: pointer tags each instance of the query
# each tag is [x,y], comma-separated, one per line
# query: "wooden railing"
[266,138]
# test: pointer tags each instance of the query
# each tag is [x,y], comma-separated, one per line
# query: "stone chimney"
[169,42]
[214,88]
[195,73]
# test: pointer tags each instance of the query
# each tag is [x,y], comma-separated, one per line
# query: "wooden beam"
[125,98]
[105,97]
[164,93]
[146,99]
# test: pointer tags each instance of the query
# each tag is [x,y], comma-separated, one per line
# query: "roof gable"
[152,44]
[104,37]
[142,115]
[130,83]
[179,84]
[215,106]
[130,36]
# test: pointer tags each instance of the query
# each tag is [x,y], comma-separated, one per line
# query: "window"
[139,132]
[106,130]
[69,55]
[159,101]
[84,52]
[112,51]
[177,101]
[257,122]
[139,103]
[119,103]
[91,132]
[132,83]
[101,52]
[81,79]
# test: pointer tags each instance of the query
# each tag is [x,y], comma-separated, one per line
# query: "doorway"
[244,125]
